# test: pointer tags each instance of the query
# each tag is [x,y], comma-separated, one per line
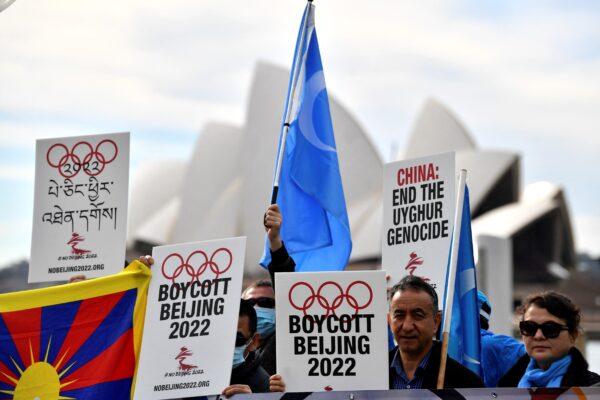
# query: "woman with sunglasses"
[549,328]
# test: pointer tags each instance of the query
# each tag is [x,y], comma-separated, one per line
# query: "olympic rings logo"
[188,266]
[329,303]
[82,156]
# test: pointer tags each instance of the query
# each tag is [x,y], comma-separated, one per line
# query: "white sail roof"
[436,130]
[210,198]
[154,184]
[225,188]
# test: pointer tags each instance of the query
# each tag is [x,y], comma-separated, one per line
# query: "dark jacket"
[280,262]
[252,374]
[577,373]
[457,376]
[266,354]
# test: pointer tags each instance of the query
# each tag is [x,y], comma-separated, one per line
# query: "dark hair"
[412,282]
[484,323]
[257,284]
[247,309]
[261,283]
[557,304]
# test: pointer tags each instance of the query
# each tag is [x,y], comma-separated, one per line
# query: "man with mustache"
[414,318]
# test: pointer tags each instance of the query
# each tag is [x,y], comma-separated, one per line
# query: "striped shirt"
[399,378]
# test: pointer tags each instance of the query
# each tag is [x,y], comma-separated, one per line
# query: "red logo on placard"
[413,263]
[328,302]
[183,354]
[82,156]
[196,263]
[74,242]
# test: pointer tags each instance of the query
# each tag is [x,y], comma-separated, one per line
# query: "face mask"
[265,321]
[238,355]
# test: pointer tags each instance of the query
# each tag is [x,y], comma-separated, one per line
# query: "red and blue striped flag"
[76,341]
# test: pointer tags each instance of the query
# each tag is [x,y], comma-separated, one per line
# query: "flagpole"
[290,99]
[449,296]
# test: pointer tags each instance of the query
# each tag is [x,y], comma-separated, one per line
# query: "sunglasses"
[240,340]
[550,330]
[264,302]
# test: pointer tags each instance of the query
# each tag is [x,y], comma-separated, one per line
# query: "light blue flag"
[465,341]
[316,231]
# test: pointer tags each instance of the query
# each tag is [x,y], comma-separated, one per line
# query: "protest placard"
[418,215]
[191,319]
[331,330]
[80,207]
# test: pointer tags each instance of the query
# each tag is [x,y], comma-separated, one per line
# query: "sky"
[521,75]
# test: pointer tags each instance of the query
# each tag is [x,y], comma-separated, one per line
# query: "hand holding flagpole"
[307,184]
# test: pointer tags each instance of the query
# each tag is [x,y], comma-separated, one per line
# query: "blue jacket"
[498,354]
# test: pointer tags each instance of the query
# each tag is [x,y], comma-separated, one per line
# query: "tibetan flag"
[316,230]
[75,341]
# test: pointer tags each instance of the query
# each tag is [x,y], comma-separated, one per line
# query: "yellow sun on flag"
[39,381]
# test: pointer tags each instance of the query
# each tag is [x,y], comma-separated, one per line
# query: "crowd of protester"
[549,327]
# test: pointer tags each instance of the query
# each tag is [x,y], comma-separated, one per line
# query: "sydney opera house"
[523,235]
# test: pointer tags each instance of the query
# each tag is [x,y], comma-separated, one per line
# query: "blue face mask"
[265,321]
[238,355]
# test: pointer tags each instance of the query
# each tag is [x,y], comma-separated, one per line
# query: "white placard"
[331,330]
[80,207]
[418,215]
[191,319]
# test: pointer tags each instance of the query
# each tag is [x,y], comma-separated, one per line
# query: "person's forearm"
[275,244]
[280,262]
